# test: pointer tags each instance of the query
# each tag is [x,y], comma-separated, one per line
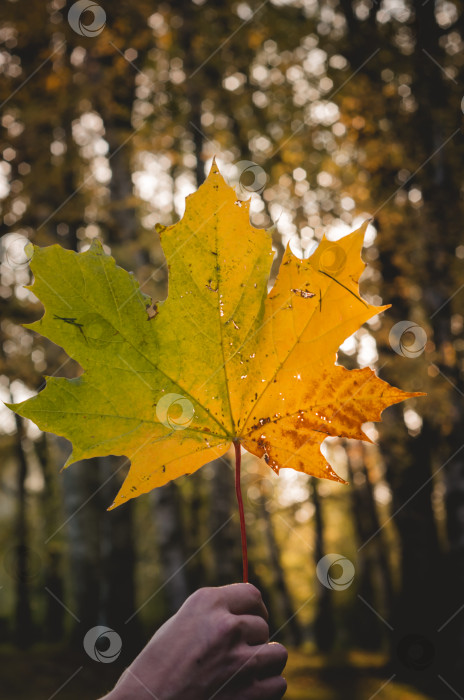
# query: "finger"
[245,599]
[271,660]
[269,688]
[254,630]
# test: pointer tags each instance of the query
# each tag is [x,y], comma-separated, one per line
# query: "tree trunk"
[373,571]
[80,483]
[195,531]
[421,562]
[54,582]
[225,542]
[23,618]
[292,632]
[117,555]
[441,192]
[324,628]
[170,537]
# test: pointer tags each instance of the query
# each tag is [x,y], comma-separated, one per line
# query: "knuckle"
[204,597]
[254,593]
[219,596]
[228,627]
[255,630]
[199,595]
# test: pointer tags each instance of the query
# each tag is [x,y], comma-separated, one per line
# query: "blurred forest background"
[349,110]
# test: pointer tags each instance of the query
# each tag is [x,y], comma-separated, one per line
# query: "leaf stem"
[238,491]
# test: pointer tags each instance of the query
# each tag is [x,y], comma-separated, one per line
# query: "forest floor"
[49,673]
[361,676]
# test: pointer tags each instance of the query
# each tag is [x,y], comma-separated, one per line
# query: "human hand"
[215,647]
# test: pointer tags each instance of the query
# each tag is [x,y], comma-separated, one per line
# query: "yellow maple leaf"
[221,362]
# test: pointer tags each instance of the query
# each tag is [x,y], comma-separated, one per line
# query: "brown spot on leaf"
[296,437]
[303,293]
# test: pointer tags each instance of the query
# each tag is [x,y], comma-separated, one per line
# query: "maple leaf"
[221,361]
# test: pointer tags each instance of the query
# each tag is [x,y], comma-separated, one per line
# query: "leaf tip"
[31,326]
[96,247]
[366,223]
[71,459]
[159,228]
[333,476]
[366,438]
[214,170]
